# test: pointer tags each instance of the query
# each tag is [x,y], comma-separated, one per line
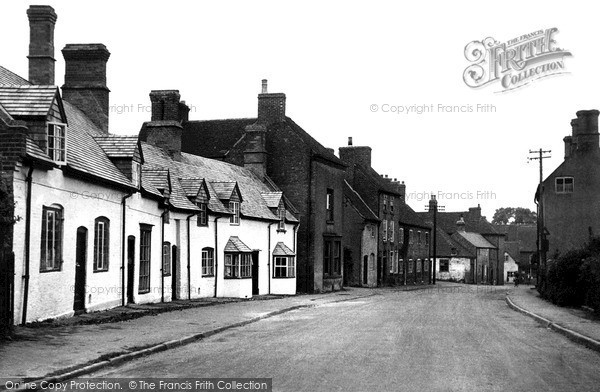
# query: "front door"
[174,267]
[255,289]
[130,267]
[366,270]
[80,261]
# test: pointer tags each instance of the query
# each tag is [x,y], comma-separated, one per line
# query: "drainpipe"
[216,254]
[28,180]
[308,281]
[189,257]
[123,205]
[269,255]
[296,226]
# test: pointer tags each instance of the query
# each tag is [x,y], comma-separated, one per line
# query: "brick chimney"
[355,154]
[42,19]
[255,154]
[568,145]
[400,188]
[585,131]
[475,212]
[85,81]
[271,107]
[165,129]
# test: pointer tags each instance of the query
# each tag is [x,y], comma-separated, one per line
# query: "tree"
[512,215]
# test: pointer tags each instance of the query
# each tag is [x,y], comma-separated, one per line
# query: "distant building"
[403,242]
[453,259]
[519,248]
[488,266]
[571,198]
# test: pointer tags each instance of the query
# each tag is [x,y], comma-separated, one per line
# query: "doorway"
[175,266]
[255,288]
[130,267]
[366,269]
[80,265]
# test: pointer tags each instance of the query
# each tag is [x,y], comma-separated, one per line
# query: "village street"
[448,338]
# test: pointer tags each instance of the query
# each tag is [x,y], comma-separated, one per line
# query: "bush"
[589,281]
[562,286]
[574,278]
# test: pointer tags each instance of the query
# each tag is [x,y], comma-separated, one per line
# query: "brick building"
[570,198]
[403,241]
[309,174]
[361,227]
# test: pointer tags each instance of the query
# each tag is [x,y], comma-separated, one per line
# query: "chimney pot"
[271,107]
[349,140]
[264,86]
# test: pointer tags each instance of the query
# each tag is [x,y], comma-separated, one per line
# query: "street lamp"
[433,207]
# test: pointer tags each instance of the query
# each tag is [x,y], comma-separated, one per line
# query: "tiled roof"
[224,189]
[447,247]
[272,198]
[214,171]
[406,215]
[83,152]
[214,138]
[28,100]
[116,146]
[178,197]
[359,204]
[375,178]
[476,239]
[34,151]
[473,222]
[191,185]
[282,250]
[234,244]
[149,187]
[158,177]
[10,78]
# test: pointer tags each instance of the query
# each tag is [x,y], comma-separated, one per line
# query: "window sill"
[51,270]
[284,277]
[281,231]
[144,292]
[208,276]
[165,275]
[235,277]
[101,270]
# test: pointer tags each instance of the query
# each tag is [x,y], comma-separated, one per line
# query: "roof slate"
[83,152]
[473,222]
[272,198]
[116,146]
[448,247]
[214,171]
[27,100]
[282,250]
[234,244]
[359,204]
[476,239]
[224,189]
[10,78]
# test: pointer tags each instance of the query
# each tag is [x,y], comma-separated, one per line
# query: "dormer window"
[57,142]
[234,206]
[202,215]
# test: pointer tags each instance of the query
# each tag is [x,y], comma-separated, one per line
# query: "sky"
[344,66]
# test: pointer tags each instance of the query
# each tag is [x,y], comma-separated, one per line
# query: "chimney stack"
[568,145]
[271,107]
[255,154]
[85,81]
[585,131]
[355,154]
[42,20]
[165,129]
[475,212]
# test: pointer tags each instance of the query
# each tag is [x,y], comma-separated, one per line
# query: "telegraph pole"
[433,207]
[540,155]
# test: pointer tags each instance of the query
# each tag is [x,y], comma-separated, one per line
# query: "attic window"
[564,184]
[235,209]
[202,215]
[57,142]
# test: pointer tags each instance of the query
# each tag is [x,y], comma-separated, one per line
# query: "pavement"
[579,325]
[70,347]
